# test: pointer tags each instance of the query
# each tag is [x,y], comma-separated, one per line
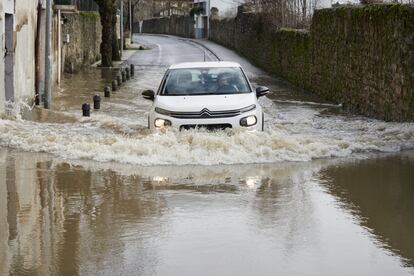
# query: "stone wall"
[174,25]
[362,57]
[85,38]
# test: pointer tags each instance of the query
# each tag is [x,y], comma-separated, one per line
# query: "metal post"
[86,110]
[48,56]
[208,4]
[122,27]
[97,102]
[114,85]
[130,21]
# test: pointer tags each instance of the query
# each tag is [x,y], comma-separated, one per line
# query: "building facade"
[162,8]
[22,39]
[201,11]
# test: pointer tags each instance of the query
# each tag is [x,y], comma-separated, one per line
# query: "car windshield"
[205,81]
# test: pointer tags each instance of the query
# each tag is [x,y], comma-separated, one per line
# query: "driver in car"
[224,81]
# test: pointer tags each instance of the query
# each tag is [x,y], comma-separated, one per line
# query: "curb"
[116,64]
[205,47]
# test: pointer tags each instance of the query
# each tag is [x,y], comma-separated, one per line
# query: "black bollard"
[114,85]
[86,110]
[127,73]
[107,92]
[123,76]
[119,80]
[132,69]
[97,102]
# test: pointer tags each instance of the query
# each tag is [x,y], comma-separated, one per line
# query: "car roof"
[207,64]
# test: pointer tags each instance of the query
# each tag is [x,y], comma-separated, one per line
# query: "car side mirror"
[261,91]
[149,95]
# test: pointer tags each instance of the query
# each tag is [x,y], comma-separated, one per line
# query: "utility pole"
[121,19]
[130,20]
[48,56]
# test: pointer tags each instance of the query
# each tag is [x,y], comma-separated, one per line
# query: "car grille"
[205,113]
[206,126]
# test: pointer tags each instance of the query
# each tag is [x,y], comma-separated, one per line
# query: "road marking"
[159,53]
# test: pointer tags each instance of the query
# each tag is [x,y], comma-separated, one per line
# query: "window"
[205,81]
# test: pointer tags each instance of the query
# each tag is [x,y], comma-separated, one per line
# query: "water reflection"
[381,193]
[322,218]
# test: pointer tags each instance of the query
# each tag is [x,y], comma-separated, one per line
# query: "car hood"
[211,102]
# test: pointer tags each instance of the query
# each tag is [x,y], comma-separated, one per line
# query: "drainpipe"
[48,56]
[59,48]
[38,85]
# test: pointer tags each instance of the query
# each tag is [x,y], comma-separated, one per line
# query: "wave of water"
[293,134]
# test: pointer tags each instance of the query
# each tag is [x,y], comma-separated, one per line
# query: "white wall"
[24,60]
[2,92]
[8,6]
[25,23]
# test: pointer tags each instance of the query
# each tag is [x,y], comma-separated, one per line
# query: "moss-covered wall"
[85,33]
[174,25]
[362,57]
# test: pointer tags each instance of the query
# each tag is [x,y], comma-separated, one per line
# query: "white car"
[211,95]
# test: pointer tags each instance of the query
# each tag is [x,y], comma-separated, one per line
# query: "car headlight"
[159,123]
[248,121]
[162,111]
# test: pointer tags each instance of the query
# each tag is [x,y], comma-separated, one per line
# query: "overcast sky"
[223,5]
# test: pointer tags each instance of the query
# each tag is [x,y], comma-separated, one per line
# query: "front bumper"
[209,123]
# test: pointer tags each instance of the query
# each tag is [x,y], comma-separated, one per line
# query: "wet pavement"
[320,192]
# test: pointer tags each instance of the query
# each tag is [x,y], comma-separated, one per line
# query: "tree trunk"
[106,44]
[106,13]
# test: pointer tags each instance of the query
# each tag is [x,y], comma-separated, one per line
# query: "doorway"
[9,57]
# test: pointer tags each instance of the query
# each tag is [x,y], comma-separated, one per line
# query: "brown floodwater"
[336,217]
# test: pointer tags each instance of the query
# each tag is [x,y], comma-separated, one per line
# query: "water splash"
[286,139]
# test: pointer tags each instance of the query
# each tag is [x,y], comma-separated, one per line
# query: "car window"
[203,81]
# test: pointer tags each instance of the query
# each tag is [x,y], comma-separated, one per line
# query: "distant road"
[169,50]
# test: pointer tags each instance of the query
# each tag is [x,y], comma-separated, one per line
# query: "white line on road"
[159,53]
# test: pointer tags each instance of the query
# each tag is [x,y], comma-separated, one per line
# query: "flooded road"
[328,217]
[319,192]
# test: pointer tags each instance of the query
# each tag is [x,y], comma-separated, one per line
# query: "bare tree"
[134,7]
[288,13]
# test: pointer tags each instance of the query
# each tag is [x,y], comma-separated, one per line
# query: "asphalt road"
[166,51]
